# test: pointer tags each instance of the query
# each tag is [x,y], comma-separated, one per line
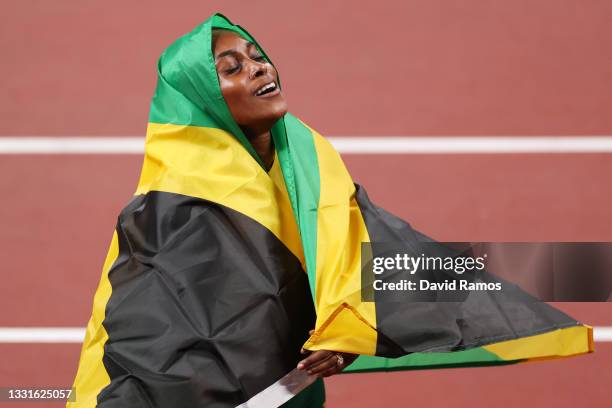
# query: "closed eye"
[236,68]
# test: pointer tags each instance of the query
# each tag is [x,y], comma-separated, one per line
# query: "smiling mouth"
[269,89]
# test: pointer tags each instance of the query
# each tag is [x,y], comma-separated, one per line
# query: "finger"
[322,364]
[312,359]
[330,372]
[330,362]
[334,369]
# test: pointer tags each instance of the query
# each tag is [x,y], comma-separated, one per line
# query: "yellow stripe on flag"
[344,323]
[91,375]
[211,164]
[558,343]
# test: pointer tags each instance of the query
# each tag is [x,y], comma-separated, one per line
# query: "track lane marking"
[344,144]
[61,335]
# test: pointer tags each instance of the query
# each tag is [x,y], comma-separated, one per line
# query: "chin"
[274,113]
[262,116]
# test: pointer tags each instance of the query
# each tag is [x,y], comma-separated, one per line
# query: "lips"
[267,89]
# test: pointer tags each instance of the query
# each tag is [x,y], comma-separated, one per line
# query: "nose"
[257,69]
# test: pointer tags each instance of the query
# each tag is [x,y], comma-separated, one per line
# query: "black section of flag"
[480,318]
[208,307]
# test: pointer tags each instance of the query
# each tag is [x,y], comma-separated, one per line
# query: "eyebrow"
[232,51]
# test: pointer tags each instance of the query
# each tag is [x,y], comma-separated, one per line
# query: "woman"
[241,252]
[249,84]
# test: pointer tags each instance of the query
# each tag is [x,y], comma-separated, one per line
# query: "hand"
[323,363]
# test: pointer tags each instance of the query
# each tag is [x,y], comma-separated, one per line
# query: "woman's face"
[248,83]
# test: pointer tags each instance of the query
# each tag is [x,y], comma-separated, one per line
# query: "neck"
[263,145]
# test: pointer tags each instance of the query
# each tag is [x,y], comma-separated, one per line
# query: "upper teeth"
[265,87]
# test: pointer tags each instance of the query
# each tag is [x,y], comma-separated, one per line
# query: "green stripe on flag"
[301,172]
[469,358]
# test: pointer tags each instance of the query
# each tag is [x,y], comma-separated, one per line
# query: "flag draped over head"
[218,269]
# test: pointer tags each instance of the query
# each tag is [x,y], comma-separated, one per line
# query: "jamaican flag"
[217,269]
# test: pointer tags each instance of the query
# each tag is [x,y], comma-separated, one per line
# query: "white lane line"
[42,334]
[344,144]
[76,334]
[71,145]
[489,144]
[601,334]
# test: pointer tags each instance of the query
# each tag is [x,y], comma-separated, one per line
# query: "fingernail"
[300,366]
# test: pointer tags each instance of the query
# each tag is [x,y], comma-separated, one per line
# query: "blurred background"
[418,70]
